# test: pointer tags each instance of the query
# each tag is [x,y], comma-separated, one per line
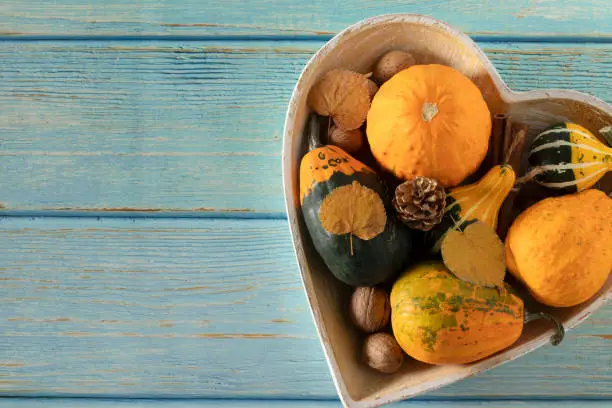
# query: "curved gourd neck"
[314,133]
[501,176]
[483,199]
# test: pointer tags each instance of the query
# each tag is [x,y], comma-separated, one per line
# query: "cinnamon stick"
[507,140]
[513,155]
[497,139]
[516,142]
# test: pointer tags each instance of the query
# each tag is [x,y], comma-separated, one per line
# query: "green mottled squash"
[479,201]
[439,319]
[348,216]
[569,157]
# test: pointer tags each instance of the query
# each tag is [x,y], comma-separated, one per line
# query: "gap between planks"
[323,37]
[19,402]
[138,213]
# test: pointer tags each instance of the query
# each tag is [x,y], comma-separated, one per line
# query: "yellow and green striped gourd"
[570,157]
[479,201]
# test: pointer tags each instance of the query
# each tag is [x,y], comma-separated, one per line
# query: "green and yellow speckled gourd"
[439,319]
[358,258]
[480,201]
[569,158]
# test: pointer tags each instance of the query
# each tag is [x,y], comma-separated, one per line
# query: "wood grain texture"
[191,403]
[201,308]
[264,17]
[186,126]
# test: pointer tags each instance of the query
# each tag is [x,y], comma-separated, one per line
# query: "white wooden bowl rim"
[292,207]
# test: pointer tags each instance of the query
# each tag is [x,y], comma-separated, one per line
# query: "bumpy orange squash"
[440,319]
[560,247]
[432,121]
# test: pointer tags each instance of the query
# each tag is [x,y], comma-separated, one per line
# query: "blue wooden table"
[145,258]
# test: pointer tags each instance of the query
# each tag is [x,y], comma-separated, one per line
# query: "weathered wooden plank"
[190,403]
[170,125]
[262,17]
[202,308]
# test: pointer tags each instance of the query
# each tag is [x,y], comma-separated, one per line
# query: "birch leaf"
[353,209]
[475,255]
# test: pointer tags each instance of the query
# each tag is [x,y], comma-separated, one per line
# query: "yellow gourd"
[560,247]
[570,158]
[479,201]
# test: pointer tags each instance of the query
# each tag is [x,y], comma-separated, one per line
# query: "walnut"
[348,140]
[372,88]
[391,63]
[382,353]
[370,309]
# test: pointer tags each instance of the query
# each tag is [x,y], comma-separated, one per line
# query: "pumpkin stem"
[556,338]
[314,133]
[429,111]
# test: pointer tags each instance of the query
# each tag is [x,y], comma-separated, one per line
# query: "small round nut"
[370,309]
[372,88]
[382,353]
[348,140]
[391,63]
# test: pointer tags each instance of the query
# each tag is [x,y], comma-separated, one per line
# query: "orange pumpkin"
[432,121]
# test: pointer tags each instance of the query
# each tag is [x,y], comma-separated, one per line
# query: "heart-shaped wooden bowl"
[430,41]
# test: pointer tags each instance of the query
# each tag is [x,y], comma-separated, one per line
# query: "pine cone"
[420,203]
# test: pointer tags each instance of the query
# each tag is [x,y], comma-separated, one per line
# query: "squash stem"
[556,338]
[607,134]
[314,133]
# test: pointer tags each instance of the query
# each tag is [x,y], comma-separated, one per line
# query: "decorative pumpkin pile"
[426,218]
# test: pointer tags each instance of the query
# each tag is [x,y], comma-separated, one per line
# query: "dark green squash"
[324,171]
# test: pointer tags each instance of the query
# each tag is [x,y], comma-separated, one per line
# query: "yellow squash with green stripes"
[438,318]
[570,158]
[480,201]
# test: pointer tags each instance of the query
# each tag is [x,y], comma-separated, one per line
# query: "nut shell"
[391,63]
[372,88]
[382,353]
[370,309]
[348,140]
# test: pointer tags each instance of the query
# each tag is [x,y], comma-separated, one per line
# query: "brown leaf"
[343,95]
[353,209]
[475,255]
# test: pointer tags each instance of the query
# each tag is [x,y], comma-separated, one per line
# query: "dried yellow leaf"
[475,255]
[353,209]
[343,95]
